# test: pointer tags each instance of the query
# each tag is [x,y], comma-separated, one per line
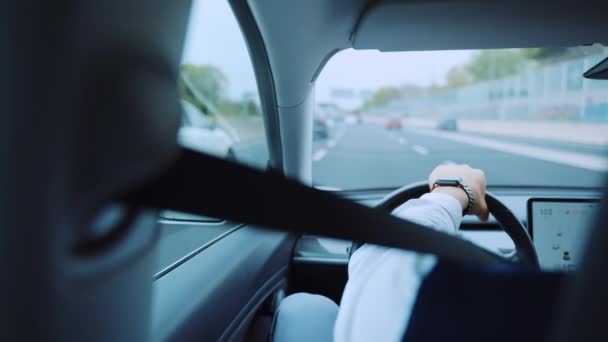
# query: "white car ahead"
[201,134]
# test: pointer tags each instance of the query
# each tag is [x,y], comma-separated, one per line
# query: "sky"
[371,69]
[214,37]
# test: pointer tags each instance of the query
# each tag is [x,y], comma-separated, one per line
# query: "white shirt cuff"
[449,204]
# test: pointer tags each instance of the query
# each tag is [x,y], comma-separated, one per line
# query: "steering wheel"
[524,252]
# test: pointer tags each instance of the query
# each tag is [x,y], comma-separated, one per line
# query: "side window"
[221,115]
[219,95]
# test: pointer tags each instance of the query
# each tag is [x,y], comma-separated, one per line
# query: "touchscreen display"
[559,229]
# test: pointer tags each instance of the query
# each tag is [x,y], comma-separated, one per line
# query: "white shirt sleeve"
[383,282]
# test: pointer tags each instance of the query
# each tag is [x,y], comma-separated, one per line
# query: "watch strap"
[460,183]
[470,195]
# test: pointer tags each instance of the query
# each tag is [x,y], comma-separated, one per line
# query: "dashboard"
[555,252]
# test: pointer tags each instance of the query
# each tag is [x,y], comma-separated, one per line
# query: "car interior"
[115,232]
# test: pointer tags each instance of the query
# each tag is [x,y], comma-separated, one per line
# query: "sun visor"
[454,25]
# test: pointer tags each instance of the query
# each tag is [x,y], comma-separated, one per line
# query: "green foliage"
[205,86]
[387,94]
[208,82]
[458,77]
[485,65]
[187,95]
[494,64]
[383,95]
[208,79]
[252,108]
[543,53]
[246,107]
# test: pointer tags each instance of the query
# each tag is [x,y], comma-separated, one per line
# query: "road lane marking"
[420,150]
[402,141]
[320,154]
[580,160]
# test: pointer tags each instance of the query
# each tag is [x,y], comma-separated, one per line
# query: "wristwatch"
[459,183]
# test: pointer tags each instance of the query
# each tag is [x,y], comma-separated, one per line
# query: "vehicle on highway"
[394,123]
[201,133]
[332,111]
[448,125]
[115,230]
[321,126]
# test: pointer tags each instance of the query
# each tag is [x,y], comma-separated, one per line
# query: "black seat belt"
[206,185]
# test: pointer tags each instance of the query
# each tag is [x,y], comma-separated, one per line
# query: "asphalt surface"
[370,156]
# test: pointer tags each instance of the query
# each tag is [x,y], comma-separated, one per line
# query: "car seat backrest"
[94,110]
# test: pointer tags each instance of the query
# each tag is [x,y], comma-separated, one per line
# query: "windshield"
[524,116]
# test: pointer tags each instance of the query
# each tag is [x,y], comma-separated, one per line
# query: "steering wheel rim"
[524,248]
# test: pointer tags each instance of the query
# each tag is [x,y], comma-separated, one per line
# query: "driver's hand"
[474,178]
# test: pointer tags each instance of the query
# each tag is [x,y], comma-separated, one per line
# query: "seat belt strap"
[207,185]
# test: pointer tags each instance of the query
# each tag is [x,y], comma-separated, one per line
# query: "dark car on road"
[321,127]
[448,125]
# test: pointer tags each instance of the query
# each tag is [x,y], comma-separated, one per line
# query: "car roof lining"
[447,25]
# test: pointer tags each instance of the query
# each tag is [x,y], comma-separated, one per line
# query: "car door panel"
[211,295]
[180,241]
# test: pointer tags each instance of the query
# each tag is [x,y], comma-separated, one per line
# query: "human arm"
[383,282]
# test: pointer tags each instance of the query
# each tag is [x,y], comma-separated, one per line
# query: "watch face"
[448,180]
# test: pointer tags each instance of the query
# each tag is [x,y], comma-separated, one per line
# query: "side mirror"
[599,71]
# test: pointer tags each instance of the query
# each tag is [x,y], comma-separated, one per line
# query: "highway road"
[370,156]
